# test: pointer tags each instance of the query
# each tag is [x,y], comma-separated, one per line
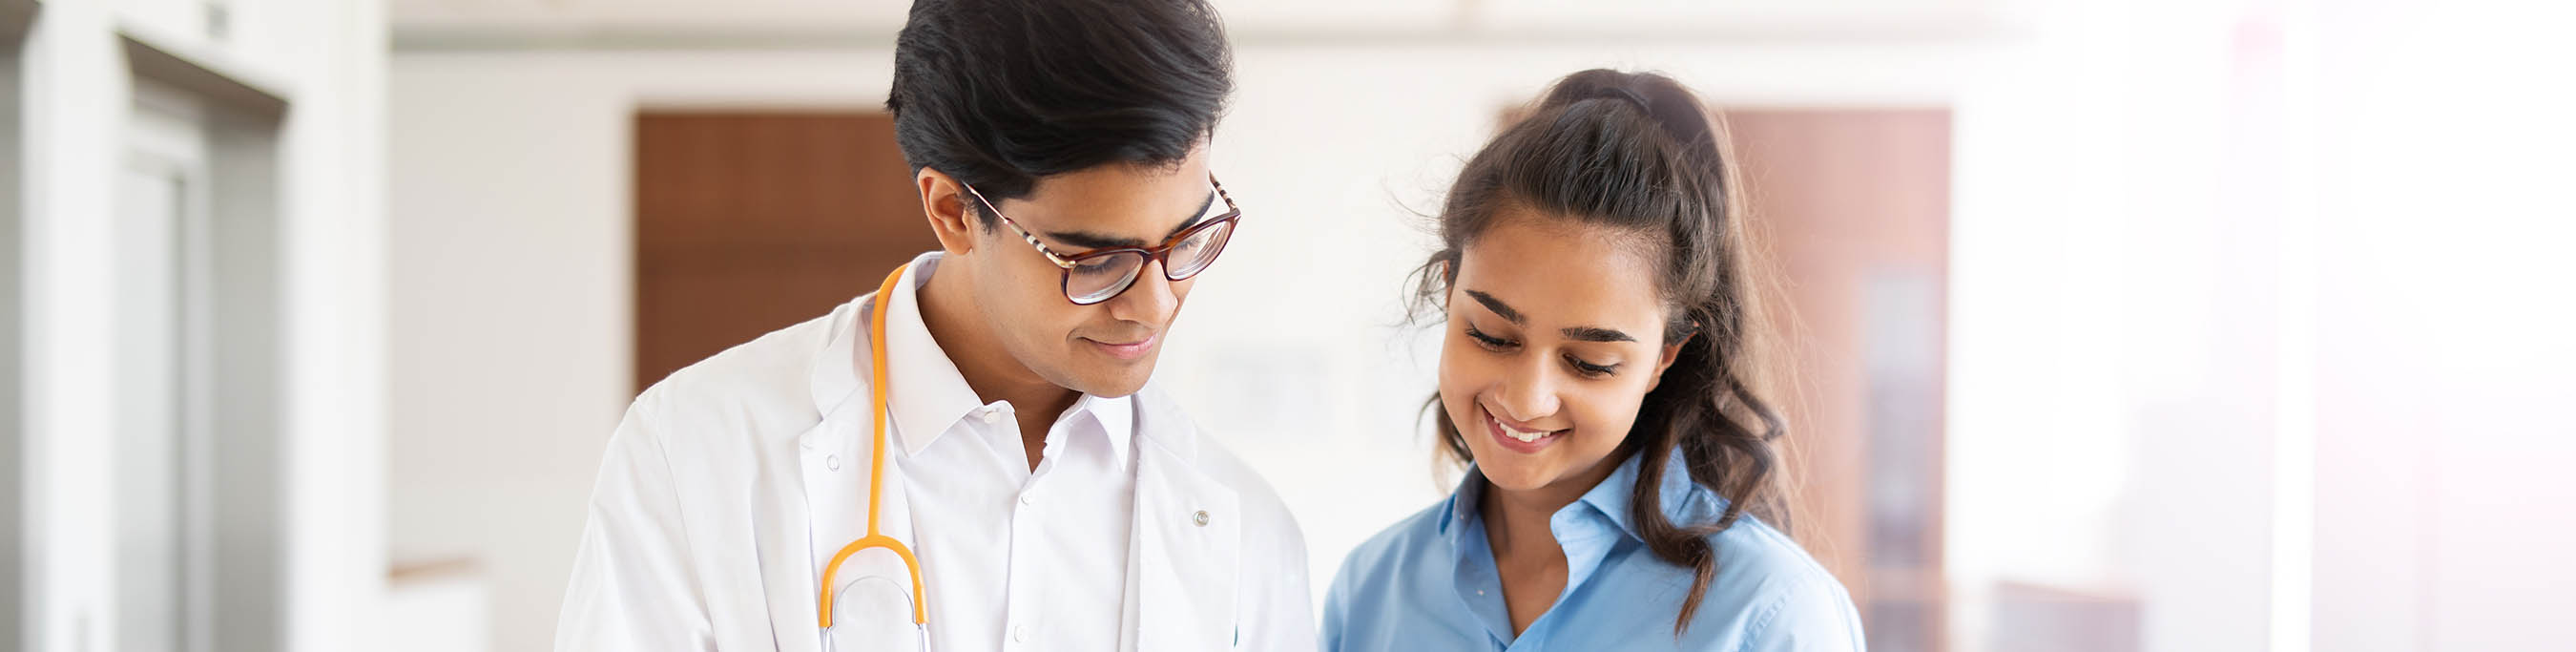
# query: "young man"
[1048,497]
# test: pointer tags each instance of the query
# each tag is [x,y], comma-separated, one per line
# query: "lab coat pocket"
[873,613]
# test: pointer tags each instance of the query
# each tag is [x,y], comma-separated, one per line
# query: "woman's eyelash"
[1590,369]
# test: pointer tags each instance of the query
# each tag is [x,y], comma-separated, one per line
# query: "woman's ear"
[1671,352]
[943,202]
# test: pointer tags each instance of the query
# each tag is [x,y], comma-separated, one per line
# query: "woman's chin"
[1514,474]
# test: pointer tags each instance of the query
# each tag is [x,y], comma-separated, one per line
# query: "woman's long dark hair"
[1639,153]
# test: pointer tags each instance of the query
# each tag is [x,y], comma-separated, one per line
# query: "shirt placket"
[1025,597]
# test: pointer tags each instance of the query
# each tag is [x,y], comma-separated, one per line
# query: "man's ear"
[944,202]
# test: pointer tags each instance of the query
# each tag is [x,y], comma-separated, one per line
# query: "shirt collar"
[1684,501]
[1461,506]
[927,394]
[1117,419]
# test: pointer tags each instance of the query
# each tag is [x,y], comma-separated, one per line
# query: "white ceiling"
[806,23]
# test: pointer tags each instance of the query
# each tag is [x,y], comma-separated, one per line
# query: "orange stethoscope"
[876,538]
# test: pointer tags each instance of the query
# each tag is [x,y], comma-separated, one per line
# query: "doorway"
[1854,205]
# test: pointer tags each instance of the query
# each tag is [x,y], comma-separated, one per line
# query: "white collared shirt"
[729,489]
[1021,558]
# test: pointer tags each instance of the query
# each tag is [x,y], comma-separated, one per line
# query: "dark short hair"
[1001,93]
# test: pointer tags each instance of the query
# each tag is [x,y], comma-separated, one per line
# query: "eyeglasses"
[1099,275]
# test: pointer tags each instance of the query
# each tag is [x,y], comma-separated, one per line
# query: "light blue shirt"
[1429,583]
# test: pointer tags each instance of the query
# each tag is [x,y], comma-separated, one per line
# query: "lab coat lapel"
[791,569]
[828,501]
[1183,550]
[834,465]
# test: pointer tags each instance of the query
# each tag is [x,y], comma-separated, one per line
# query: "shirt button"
[992,416]
[832,462]
[1020,634]
[1028,499]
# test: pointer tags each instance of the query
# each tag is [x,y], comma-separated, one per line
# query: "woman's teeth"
[1525,436]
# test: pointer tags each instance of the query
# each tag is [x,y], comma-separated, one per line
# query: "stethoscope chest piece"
[872,611]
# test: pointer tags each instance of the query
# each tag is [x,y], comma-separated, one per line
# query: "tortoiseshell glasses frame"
[1108,272]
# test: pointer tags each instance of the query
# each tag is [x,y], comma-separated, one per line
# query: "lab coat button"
[1020,634]
[1028,499]
[832,462]
[1200,518]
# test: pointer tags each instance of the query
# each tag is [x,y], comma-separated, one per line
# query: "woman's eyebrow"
[1596,334]
[1578,333]
[1497,305]
[1091,240]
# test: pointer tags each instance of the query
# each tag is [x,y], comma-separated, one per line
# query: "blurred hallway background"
[2207,325]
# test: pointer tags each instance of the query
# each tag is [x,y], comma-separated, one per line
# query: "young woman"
[1620,492]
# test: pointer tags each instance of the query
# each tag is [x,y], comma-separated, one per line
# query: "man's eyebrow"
[1497,305]
[1596,334]
[1091,240]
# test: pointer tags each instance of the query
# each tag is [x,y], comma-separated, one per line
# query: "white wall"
[2113,281]
[2443,496]
[326,58]
[512,273]
[512,288]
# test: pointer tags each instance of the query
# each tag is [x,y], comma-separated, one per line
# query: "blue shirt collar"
[1684,501]
[1590,530]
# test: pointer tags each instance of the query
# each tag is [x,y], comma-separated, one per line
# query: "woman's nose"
[1528,395]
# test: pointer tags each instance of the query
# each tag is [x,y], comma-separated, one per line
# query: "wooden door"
[748,222]
[1853,205]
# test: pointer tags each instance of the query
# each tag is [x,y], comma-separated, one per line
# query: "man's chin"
[1111,380]
[1115,389]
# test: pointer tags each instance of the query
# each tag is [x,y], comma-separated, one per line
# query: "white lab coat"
[713,516]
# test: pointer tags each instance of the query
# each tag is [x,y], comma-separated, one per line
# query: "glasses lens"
[1093,280]
[1194,255]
